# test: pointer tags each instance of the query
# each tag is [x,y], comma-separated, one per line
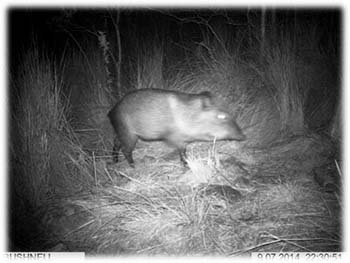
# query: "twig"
[288,241]
[338,168]
[109,176]
[254,247]
[94,166]
[80,227]
[279,240]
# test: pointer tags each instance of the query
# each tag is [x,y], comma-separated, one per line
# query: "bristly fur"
[174,117]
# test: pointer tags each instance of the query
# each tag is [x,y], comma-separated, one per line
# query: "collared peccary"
[171,116]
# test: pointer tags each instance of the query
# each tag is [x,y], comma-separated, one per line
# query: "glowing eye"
[222,116]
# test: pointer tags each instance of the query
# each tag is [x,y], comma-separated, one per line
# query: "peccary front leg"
[174,140]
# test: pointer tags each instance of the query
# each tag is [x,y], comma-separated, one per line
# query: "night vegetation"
[279,73]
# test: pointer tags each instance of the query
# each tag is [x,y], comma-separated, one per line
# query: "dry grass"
[232,207]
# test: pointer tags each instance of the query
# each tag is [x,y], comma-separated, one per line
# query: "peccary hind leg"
[116,149]
[128,156]
[126,144]
[183,156]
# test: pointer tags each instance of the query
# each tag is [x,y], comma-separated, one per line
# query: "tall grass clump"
[38,123]
[92,94]
[225,68]
[40,137]
[281,74]
[149,64]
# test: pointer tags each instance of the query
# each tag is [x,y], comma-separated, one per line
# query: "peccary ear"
[207,99]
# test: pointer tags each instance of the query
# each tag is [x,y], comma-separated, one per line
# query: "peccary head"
[213,122]
[207,120]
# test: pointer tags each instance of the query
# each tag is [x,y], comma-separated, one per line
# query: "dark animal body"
[171,116]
